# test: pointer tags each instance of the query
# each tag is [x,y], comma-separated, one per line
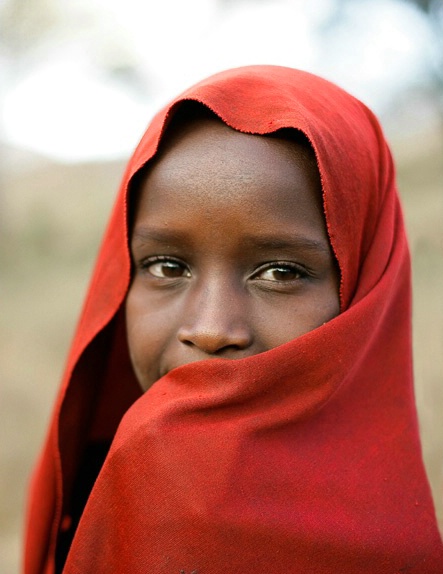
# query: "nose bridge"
[216,315]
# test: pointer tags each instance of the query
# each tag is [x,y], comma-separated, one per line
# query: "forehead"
[211,185]
[201,127]
[216,160]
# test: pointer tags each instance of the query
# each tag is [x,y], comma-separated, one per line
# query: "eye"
[166,268]
[280,272]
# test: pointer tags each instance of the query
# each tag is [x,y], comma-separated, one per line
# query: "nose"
[216,321]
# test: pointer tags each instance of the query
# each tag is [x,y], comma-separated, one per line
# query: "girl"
[254,283]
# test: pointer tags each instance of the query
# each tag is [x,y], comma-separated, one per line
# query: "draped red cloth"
[305,458]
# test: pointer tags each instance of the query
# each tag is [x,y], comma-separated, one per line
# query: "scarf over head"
[305,458]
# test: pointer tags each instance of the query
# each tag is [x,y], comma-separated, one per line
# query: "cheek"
[145,335]
[295,317]
[324,306]
[136,342]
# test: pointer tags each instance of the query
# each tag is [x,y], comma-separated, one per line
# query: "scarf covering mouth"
[302,459]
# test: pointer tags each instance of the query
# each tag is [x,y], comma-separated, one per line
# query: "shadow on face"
[230,251]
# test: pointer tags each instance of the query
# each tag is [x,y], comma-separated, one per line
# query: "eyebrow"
[290,242]
[264,242]
[145,234]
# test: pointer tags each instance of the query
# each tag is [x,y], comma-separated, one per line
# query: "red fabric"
[305,458]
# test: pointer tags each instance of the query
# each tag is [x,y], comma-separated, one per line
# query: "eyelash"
[147,264]
[286,268]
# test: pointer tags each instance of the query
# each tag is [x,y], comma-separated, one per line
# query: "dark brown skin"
[230,250]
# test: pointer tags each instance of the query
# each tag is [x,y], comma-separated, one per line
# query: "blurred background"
[80,80]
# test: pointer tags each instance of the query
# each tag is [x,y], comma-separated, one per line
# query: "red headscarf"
[305,458]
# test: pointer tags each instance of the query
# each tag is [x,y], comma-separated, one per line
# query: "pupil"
[283,274]
[172,269]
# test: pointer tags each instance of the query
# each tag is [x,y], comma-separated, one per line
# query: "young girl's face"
[230,250]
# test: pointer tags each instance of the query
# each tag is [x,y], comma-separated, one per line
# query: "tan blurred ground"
[51,219]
